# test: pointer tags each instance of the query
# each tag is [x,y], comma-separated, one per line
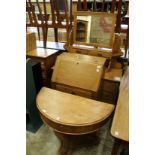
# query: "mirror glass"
[94,28]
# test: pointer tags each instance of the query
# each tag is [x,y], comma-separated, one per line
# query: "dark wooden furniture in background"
[72,117]
[113,6]
[43,17]
[32,8]
[55,17]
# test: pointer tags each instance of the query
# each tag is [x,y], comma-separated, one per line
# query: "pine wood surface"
[30,41]
[70,113]
[120,124]
[78,70]
[41,52]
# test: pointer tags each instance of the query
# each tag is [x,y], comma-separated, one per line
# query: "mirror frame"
[89,13]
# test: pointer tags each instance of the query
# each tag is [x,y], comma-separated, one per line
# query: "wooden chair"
[52,11]
[30,9]
[120,26]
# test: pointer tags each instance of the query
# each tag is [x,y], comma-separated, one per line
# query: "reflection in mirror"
[94,29]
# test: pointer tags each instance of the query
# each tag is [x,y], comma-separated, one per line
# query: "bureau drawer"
[73,90]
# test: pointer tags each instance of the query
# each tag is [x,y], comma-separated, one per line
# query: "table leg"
[66,144]
[70,142]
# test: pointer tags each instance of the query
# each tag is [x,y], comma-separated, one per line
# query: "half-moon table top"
[71,110]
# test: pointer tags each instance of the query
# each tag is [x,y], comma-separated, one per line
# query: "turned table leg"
[70,142]
[66,143]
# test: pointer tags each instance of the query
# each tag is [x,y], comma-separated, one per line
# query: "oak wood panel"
[81,71]
[120,124]
[71,114]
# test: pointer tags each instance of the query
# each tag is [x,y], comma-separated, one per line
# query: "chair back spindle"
[49,16]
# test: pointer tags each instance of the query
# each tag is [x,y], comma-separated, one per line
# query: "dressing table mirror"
[94,29]
[94,34]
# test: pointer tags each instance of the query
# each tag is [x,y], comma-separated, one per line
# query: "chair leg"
[67,31]
[38,32]
[56,34]
[127,43]
[126,48]
[45,32]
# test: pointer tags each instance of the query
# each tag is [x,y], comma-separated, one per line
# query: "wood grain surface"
[120,124]
[79,114]
[78,70]
[41,52]
[30,41]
